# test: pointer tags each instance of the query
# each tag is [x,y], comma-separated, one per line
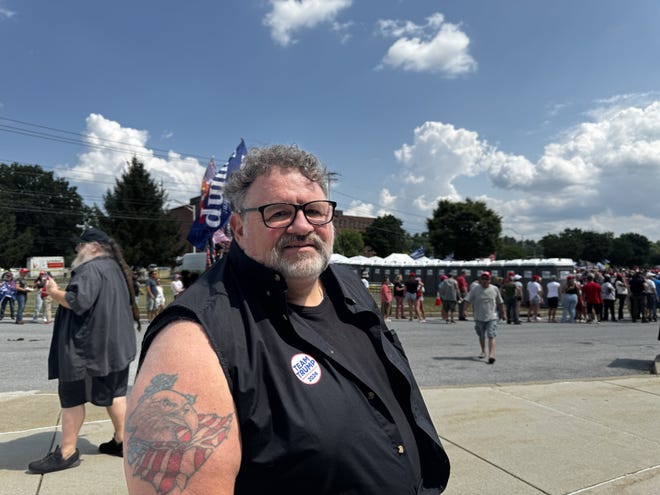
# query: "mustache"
[311,238]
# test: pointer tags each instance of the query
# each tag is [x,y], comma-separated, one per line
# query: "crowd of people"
[588,295]
[14,293]
[408,294]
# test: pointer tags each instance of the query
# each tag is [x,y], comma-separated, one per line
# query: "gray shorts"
[151,303]
[486,329]
[411,297]
[449,305]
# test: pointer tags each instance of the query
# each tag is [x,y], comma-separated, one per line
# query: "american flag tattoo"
[168,440]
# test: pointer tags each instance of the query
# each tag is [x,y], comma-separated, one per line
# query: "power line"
[61,135]
[84,140]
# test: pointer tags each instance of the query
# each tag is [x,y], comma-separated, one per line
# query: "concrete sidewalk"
[592,437]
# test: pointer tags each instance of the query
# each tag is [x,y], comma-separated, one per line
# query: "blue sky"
[548,111]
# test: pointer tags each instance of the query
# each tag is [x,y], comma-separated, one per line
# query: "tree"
[385,235]
[135,216]
[654,255]
[568,244]
[468,229]
[349,243]
[44,211]
[510,249]
[14,248]
[597,246]
[630,250]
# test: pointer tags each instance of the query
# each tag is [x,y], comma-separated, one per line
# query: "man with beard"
[275,371]
[92,346]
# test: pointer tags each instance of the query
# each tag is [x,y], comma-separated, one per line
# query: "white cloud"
[598,176]
[5,13]
[289,16]
[441,153]
[342,29]
[387,199]
[360,209]
[436,47]
[111,146]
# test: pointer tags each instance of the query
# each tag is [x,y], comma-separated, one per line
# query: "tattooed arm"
[181,434]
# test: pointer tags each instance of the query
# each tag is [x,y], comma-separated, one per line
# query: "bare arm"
[58,295]
[181,431]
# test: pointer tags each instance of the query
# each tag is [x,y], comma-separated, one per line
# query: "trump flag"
[214,210]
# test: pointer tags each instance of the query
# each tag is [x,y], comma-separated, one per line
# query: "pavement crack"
[613,480]
[499,468]
[586,419]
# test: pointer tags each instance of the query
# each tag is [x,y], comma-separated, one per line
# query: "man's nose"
[300,224]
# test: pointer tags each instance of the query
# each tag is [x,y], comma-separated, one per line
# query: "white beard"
[306,265]
[82,257]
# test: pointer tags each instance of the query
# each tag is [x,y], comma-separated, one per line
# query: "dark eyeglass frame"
[261,209]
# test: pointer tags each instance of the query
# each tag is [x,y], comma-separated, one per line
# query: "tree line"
[469,230]
[42,215]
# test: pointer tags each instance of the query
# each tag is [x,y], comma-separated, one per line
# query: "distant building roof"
[350,222]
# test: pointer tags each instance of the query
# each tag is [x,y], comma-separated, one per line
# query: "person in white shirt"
[535,297]
[553,298]
[176,286]
[365,279]
[608,295]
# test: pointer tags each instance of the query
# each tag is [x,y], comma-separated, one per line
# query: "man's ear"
[236,224]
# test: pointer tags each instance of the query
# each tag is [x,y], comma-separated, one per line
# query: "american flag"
[169,465]
[417,253]
[213,211]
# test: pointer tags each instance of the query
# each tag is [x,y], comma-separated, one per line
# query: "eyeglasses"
[282,215]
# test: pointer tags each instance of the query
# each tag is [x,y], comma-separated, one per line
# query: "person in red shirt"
[463,289]
[592,291]
[385,299]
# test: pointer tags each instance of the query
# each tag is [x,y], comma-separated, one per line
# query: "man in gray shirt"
[484,298]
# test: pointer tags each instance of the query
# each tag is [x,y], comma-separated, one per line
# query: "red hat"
[23,270]
[485,274]
[511,274]
[570,277]
[536,277]
[412,274]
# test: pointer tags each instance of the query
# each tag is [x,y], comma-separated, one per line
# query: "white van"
[192,262]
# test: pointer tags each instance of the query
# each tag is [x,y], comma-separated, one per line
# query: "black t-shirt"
[411,286]
[363,357]
[637,286]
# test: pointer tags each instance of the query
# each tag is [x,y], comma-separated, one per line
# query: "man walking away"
[92,346]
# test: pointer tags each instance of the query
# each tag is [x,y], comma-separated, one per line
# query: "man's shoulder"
[96,265]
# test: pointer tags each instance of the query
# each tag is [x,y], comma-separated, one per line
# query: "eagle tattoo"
[168,439]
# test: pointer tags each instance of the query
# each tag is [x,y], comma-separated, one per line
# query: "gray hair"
[260,161]
[112,250]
